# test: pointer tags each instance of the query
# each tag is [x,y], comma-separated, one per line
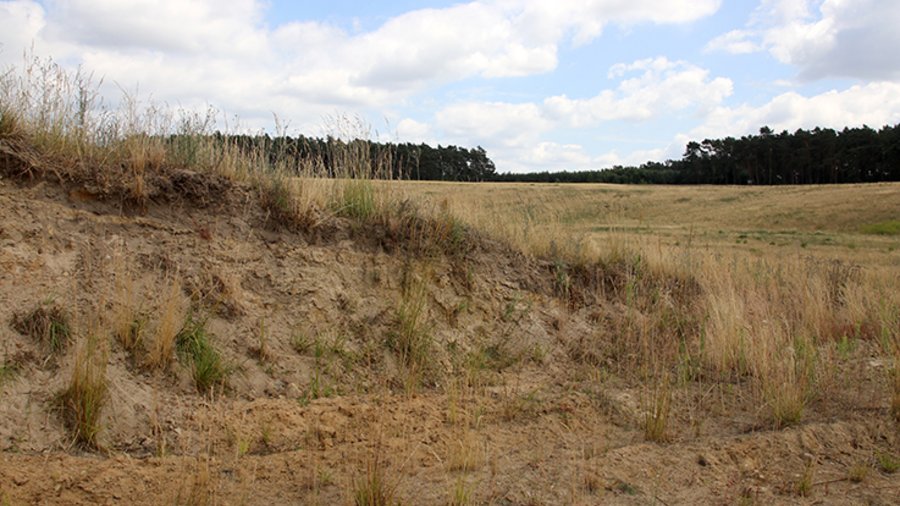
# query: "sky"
[541,85]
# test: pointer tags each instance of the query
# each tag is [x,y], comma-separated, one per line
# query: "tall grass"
[83,400]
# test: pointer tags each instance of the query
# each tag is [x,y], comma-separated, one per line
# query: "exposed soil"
[316,396]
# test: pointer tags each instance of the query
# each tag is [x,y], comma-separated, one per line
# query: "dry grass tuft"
[82,402]
[48,324]
[171,319]
[373,489]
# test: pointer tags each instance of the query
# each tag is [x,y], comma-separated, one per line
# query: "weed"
[262,338]
[83,400]
[373,489]
[858,472]
[171,320]
[626,488]
[8,370]
[803,486]
[301,343]
[466,453]
[887,462]
[207,368]
[356,199]
[47,324]
[460,494]
[198,487]
[317,389]
[656,418]
[410,340]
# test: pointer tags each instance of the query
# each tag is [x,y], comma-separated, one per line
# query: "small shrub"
[207,367]
[83,400]
[48,325]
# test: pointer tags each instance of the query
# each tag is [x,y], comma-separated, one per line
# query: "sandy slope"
[532,427]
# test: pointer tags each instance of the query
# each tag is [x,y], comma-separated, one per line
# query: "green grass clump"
[207,367]
[890,227]
[888,463]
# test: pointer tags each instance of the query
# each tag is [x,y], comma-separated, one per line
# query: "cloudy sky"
[542,85]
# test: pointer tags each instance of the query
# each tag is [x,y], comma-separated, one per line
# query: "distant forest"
[818,156]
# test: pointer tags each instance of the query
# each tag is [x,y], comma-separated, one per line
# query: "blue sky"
[562,85]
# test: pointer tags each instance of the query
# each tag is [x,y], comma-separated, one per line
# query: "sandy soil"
[316,399]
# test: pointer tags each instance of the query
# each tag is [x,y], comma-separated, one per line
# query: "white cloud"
[224,50]
[515,132]
[22,22]
[874,104]
[410,130]
[734,42]
[824,38]
[498,123]
[662,86]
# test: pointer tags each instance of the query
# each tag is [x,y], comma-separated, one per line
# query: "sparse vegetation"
[83,400]
[410,340]
[548,315]
[48,324]
[887,462]
[169,323]
[374,489]
[194,346]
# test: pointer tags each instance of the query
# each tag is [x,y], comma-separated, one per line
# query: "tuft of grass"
[198,488]
[656,418]
[48,324]
[410,340]
[466,454]
[207,367]
[373,489]
[8,370]
[83,400]
[460,494]
[887,463]
[171,320]
[858,472]
[889,227]
[356,199]
[803,486]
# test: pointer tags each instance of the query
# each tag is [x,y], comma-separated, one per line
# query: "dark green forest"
[331,156]
[818,156]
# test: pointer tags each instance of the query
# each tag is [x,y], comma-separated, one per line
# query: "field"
[185,323]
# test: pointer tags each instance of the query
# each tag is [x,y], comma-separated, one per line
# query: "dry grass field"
[183,323]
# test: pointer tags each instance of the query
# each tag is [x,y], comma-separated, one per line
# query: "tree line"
[817,156]
[332,156]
